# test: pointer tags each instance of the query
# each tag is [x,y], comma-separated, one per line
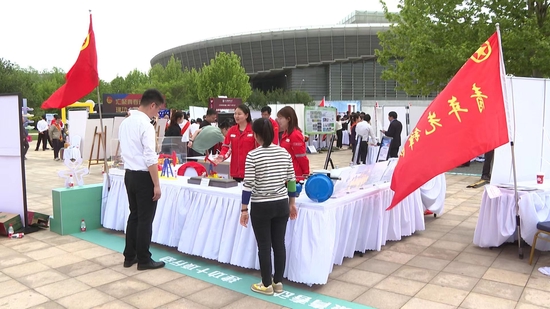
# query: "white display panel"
[415,112]
[12,169]
[77,126]
[532,148]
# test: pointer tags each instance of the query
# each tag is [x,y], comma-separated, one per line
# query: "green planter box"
[71,205]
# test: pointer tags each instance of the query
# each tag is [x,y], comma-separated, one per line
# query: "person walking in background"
[238,142]
[137,145]
[293,141]
[42,127]
[24,140]
[56,134]
[339,132]
[266,113]
[353,134]
[487,165]
[209,118]
[365,132]
[270,187]
[394,131]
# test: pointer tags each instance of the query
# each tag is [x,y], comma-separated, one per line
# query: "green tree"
[257,99]
[224,76]
[430,40]
[191,80]
[118,85]
[136,82]
[170,81]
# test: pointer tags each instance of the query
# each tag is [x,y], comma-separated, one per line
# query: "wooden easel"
[102,141]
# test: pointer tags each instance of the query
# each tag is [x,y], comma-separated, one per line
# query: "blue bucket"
[319,188]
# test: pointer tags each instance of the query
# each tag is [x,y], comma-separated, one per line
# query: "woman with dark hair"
[293,141]
[55,132]
[238,142]
[172,136]
[174,127]
[270,186]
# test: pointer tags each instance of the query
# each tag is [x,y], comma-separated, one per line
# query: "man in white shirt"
[42,127]
[137,146]
[365,135]
[195,125]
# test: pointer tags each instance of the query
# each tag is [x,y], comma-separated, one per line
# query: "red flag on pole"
[81,79]
[466,119]
[322,104]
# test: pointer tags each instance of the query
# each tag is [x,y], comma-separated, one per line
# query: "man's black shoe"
[151,265]
[130,263]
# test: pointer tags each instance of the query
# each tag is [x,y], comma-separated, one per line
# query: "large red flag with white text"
[81,79]
[466,119]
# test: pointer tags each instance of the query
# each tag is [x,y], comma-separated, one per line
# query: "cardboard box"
[6,219]
[37,219]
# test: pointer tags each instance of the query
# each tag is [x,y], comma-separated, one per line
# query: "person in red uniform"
[238,142]
[293,141]
[266,113]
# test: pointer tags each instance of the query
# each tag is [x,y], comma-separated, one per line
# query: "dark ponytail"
[263,128]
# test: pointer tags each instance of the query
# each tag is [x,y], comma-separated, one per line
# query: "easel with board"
[321,121]
[329,152]
[102,141]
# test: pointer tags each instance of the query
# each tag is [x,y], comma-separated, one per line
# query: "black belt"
[132,171]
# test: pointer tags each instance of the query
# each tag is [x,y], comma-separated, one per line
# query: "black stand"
[329,152]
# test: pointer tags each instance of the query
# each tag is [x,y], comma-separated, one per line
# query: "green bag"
[207,138]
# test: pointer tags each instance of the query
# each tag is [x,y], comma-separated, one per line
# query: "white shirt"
[137,142]
[42,125]
[364,130]
[338,125]
[185,135]
[194,127]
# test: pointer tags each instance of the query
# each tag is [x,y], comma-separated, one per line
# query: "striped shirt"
[266,172]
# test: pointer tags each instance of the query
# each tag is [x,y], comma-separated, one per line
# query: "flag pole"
[512,139]
[103,141]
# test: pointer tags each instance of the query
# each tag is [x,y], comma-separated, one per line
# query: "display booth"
[530,123]
[200,219]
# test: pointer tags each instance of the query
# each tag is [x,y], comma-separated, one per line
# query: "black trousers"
[57,145]
[139,187]
[269,221]
[363,150]
[42,138]
[25,144]
[339,136]
[393,152]
[488,164]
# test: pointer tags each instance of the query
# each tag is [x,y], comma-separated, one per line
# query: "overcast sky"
[48,33]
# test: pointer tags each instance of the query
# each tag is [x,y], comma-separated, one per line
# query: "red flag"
[81,79]
[466,119]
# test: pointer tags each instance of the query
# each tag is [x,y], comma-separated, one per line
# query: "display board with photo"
[320,120]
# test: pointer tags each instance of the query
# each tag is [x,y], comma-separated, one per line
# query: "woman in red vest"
[238,142]
[293,141]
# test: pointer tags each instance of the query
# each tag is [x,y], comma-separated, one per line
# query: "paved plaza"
[436,268]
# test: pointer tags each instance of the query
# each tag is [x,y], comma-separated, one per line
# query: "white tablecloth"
[203,221]
[497,217]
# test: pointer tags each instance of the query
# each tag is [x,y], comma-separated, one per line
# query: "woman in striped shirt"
[270,185]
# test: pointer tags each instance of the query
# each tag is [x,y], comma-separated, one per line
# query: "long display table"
[204,221]
[497,216]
